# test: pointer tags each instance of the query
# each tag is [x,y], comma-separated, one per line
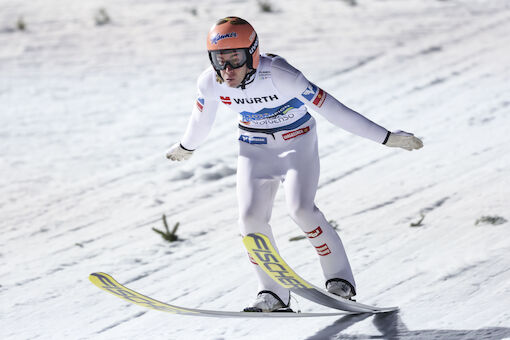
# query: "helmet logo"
[218,37]
[254,46]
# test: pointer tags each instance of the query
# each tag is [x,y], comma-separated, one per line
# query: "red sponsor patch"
[314,233]
[295,133]
[319,99]
[226,100]
[323,250]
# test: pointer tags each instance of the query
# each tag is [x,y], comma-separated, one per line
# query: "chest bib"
[261,105]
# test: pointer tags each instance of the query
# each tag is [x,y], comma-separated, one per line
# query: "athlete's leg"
[300,184]
[255,199]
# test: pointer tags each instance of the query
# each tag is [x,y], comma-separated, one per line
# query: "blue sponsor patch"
[253,139]
[310,91]
[273,112]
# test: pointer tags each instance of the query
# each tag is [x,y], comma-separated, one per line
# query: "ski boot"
[341,288]
[268,301]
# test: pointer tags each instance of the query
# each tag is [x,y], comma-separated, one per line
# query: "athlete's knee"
[303,214]
[251,222]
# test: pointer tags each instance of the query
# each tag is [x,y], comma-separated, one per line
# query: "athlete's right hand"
[178,153]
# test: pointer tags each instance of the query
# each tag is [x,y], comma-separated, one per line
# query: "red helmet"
[233,35]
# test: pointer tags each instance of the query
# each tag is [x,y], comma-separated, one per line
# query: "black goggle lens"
[234,58]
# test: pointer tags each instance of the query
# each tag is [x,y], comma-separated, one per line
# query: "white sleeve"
[291,81]
[203,114]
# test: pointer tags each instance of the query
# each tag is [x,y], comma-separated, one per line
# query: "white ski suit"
[278,143]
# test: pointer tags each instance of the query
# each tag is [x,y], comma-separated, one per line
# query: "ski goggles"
[234,58]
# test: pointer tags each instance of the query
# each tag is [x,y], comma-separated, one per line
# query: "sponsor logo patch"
[200,104]
[319,99]
[256,100]
[310,91]
[254,46]
[218,37]
[314,233]
[314,94]
[283,111]
[323,250]
[264,74]
[226,100]
[295,133]
[253,139]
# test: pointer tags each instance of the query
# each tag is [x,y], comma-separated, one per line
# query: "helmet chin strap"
[248,79]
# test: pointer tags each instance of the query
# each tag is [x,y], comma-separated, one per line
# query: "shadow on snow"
[390,326]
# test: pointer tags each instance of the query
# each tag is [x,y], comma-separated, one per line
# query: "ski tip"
[99,274]
[96,274]
[98,278]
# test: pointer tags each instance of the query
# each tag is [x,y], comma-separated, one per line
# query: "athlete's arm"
[200,123]
[291,81]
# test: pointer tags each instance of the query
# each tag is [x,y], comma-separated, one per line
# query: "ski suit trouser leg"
[301,182]
[295,162]
[256,197]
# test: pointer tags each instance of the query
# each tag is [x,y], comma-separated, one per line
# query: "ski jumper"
[278,143]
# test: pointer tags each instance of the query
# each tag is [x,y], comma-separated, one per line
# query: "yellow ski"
[262,251]
[108,283]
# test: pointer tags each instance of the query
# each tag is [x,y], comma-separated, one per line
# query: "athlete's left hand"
[404,140]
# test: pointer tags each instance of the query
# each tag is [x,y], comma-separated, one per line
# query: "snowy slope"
[87,113]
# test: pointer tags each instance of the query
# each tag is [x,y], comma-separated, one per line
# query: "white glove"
[404,140]
[178,153]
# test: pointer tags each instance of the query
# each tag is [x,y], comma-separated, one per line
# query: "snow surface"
[87,113]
